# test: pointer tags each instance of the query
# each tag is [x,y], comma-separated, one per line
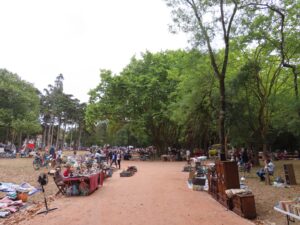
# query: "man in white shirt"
[59,153]
[188,155]
[269,168]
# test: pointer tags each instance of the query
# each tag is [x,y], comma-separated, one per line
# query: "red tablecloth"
[102,177]
[93,180]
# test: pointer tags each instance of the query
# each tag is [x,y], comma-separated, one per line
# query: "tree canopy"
[238,83]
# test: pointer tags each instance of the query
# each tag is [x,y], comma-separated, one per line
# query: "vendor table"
[290,217]
[93,180]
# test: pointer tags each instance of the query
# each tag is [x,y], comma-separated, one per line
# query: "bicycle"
[38,162]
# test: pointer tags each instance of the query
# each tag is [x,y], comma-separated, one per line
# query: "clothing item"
[4,214]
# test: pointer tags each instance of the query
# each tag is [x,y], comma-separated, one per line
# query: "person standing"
[119,159]
[110,156]
[52,152]
[114,159]
[188,155]
[59,153]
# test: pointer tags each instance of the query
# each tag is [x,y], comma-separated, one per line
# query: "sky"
[41,39]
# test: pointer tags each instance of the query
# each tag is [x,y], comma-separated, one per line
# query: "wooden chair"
[59,182]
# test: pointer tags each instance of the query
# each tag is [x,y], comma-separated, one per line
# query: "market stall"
[83,185]
[83,175]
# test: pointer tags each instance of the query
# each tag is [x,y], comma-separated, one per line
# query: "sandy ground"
[156,195]
[266,196]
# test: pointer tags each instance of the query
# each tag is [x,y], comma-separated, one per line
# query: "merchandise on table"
[291,206]
[85,165]
[83,185]
[84,174]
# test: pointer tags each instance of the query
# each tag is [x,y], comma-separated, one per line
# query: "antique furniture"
[244,205]
[289,173]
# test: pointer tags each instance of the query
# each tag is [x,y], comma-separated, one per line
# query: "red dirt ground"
[156,195]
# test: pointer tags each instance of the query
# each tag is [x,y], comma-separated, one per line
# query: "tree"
[276,23]
[135,102]
[59,112]
[19,107]
[191,16]
[195,102]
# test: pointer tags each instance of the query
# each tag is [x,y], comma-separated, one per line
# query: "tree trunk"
[20,140]
[222,117]
[79,136]
[7,134]
[263,130]
[13,136]
[49,135]
[44,135]
[52,133]
[71,137]
[255,159]
[265,150]
[58,134]
[75,144]
[64,135]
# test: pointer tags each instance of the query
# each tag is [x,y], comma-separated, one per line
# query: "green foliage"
[19,105]
[60,111]
[136,101]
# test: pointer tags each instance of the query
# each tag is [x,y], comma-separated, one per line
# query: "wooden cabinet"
[289,174]
[244,205]
[227,178]
[228,175]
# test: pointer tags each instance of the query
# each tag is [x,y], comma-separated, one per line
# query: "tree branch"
[223,21]
[277,10]
[207,39]
[226,37]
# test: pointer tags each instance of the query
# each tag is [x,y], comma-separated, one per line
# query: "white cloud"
[40,39]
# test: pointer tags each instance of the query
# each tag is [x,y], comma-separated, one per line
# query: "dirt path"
[156,195]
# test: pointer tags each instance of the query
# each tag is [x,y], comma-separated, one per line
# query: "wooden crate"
[244,205]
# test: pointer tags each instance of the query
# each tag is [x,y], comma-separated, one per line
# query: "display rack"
[289,174]
[290,217]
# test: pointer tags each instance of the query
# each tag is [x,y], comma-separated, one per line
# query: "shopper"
[119,159]
[114,159]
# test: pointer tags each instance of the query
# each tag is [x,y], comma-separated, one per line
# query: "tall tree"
[19,106]
[209,21]
[136,101]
